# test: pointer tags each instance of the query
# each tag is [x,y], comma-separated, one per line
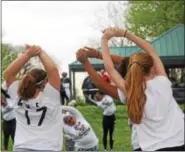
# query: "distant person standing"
[8,114]
[65,88]
[106,103]
[62,92]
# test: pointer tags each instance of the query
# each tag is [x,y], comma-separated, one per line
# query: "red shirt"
[106,78]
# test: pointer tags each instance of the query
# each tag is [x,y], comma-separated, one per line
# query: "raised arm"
[109,66]
[99,83]
[147,47]
[93,53]
[51,69]
[12,70]
[72,110]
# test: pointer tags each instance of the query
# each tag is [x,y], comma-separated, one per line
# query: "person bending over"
[79,130]
[69,142]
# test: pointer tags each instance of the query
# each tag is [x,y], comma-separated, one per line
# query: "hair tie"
[135,62]
[38,83]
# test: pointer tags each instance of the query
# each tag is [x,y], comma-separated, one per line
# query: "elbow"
[52,71]
[6,74]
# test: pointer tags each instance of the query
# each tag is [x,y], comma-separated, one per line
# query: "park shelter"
[169,45]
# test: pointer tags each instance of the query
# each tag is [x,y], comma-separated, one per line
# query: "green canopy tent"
[169,45]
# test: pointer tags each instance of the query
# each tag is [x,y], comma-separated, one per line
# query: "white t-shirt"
[39,124]
[134,138]
[8,110]
[163,121]
[107,104]
[81,133]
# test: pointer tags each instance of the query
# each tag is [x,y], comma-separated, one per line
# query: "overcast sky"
[59,27]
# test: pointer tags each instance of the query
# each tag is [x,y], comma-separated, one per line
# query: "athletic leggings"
[177,148]
[64,97]
[8,130]
[108,126]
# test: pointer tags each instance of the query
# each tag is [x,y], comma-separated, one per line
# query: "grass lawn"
[94,117]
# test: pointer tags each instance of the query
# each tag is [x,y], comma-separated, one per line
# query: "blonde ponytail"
[135,93]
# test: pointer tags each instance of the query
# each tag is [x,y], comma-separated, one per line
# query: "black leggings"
[64,97]
[108,126]
[8,130]
[178,148]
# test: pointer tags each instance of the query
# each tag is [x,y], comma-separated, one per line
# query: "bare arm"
[109,66]
[93,53]
[16,65]
[99,83]
[93,101]
[147,47]
[72,110]
[51,68]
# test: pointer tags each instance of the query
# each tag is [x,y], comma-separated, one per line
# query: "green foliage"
[149,19]
[122,136]
[117,102]
[81,103]
[8,54]
[122,140]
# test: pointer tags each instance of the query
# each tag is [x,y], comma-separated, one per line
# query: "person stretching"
[107,104]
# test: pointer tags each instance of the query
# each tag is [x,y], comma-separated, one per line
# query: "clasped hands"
[32,50]
[83,53]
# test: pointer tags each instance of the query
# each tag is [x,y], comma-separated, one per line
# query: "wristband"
[98,53]
[125,33]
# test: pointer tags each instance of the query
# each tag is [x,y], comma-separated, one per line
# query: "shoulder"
[13,89]
[161,85]
[14,85]
[51,93]
[49,89]
[161,80]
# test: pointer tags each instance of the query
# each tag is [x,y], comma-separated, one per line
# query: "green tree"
[8,54]
[149,19]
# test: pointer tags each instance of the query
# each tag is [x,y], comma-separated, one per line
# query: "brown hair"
[31,81]
[140,65]
[122,67]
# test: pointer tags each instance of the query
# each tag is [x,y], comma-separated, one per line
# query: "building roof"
[169,45]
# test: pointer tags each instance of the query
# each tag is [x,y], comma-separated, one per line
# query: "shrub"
[80,103]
